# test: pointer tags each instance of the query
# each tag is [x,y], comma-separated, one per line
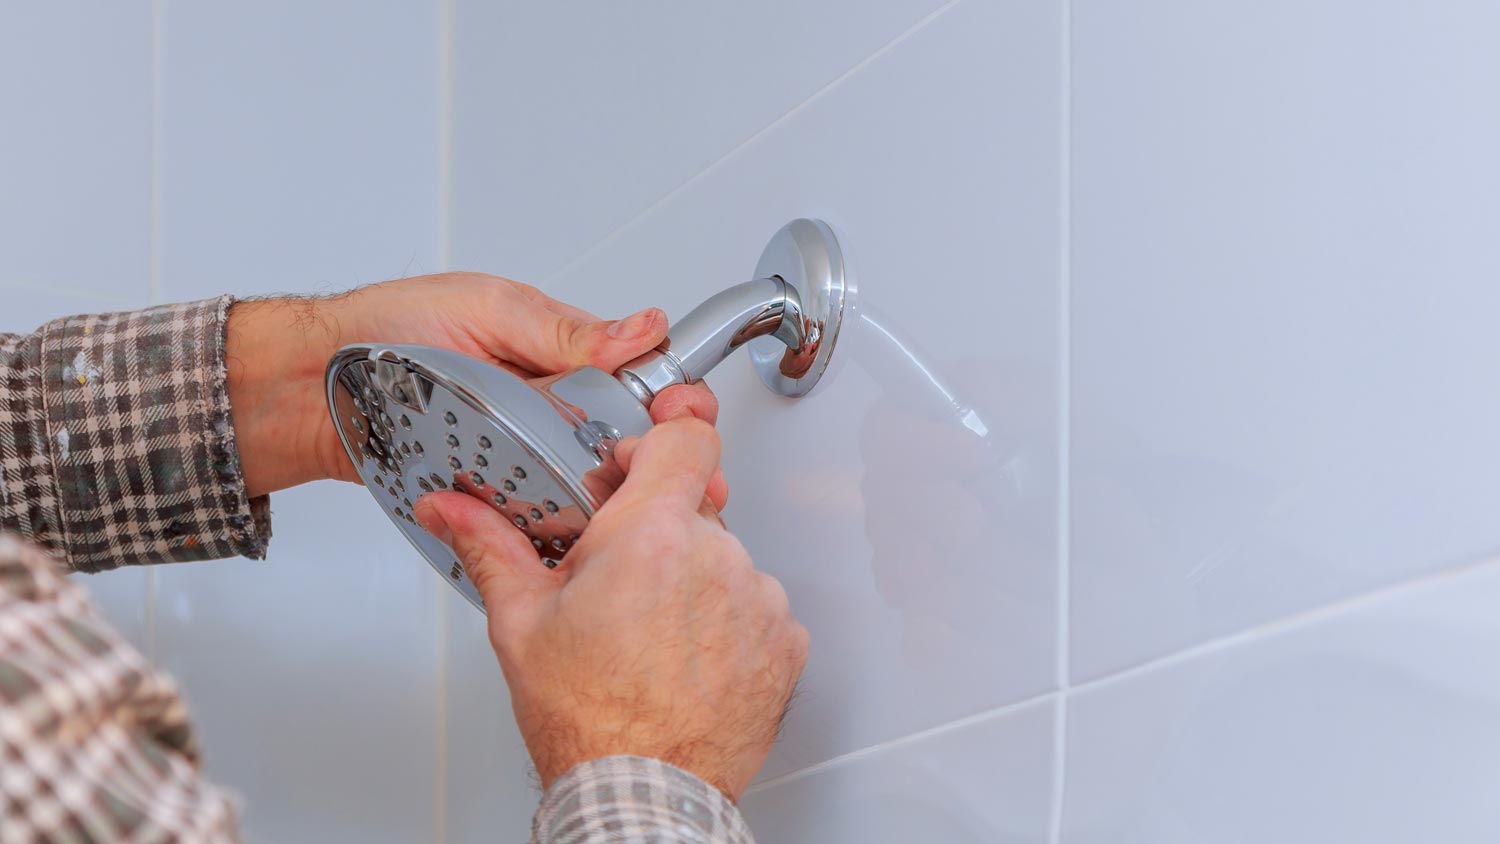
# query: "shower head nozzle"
[416,419]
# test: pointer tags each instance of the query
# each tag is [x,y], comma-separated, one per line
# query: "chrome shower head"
[416,419]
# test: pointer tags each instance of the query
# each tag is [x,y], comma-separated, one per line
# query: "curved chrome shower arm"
[713,331]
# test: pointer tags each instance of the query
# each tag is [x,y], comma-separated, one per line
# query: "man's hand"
[277,350]
[656,637]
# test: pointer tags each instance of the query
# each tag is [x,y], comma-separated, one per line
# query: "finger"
[695,400]
[498,558]
[709,510]
[672,463]
[546,342]
[716,492]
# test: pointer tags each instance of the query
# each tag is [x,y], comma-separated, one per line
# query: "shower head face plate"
[415,420]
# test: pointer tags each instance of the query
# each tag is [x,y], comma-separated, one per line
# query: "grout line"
[1309,618]
[902,741]
[1065,423]
[440,756]
[158,148]
[1297,621]
[768,128]
[445,95]
[1059,767]
[154,247]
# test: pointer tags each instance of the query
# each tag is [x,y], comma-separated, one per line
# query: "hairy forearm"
[276,351]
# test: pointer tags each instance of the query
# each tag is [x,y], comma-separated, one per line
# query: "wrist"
[275,354]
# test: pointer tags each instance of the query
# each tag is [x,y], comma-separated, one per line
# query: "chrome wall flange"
[805,254]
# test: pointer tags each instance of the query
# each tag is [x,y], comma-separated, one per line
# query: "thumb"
[553,342]
[673,462]
[499,559]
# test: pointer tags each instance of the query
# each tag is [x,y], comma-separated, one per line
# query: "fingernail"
[434,522]
[632,326]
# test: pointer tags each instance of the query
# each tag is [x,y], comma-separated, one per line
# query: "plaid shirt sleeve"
[116,446]
[635,800]
[94,743]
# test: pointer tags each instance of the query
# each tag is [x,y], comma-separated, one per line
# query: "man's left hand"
[277,351]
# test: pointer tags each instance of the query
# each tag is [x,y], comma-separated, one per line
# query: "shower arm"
[713,331]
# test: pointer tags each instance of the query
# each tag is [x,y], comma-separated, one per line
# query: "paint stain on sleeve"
[80,370]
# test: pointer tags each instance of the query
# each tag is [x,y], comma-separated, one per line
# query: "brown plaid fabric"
[94,743]
[116,448]
[634,800]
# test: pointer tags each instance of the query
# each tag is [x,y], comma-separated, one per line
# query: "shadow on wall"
[953,497]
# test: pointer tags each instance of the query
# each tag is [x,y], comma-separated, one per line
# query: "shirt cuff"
[141,439]
[630,799]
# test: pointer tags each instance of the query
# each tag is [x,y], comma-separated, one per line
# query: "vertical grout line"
[1065,420]
[444,130]
[154,248]
[445,85]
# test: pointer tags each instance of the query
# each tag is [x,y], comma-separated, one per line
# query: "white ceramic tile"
[121,595]
[313,674]
[26,306]
[1283,343]
[921,557]
[300,145]
[1381,726]
[568,123]
[300,154]
[75,89]
[491,789]
[984,783]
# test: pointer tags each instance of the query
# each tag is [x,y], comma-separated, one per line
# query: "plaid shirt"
[117,448]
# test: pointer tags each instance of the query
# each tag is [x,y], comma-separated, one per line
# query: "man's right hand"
[656,637]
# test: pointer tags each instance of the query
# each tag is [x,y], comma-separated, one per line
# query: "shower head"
[416,419]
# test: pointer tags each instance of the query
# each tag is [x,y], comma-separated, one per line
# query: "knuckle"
[479,563]
[691,428]
[800,644]
[565,333]
[774,595]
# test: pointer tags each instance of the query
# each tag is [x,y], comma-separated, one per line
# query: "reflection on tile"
[75,89]
[620,105]
[1376,726]
[300,145]
[984,783]
[922,558]
[1283,299]
[313,674]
